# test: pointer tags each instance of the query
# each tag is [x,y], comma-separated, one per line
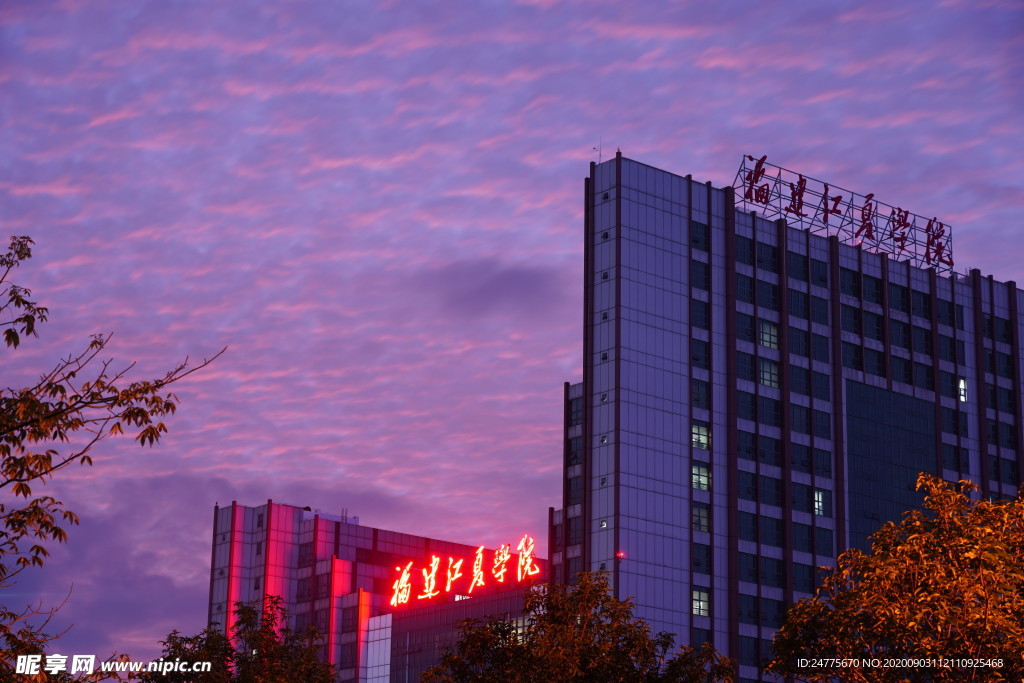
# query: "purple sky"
[377,207]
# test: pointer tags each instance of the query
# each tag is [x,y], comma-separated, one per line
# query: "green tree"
[946,582]
[46,427]
[261,649]
[574,633]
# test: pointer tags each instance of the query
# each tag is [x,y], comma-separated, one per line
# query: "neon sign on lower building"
[489,569]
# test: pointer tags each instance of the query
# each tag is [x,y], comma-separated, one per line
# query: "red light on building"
[621,555]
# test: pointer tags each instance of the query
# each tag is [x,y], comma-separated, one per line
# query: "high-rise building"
[387,604]
[766,369]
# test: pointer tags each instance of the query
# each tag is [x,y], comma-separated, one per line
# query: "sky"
[377,208]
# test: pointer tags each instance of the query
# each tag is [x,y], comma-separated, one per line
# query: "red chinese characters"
[796,197]
[867,219]
[899,223]
[827,210]
[430,580]
[935,248]
[478,570]
[501,558]
[454,572]
[402,587]
[526,565]
[754,192]
[854,218]
[454,580]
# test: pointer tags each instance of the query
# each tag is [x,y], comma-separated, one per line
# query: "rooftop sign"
[857,219]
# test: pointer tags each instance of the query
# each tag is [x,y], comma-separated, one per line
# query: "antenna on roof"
[598,149]
[344,514]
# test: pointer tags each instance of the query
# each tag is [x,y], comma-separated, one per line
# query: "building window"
[767,257]
[767,295]
[852,357]
[744,250]
[748,567]
[899,297]
[874,362]
[821,424]
[771,531]
[701,435]
[699,237]
[821,385]
[802,537]
[819,273]
[799,342]
[575,490]
[744,366]
[700,352]
[747,445]
[701,558]
[700,314]
[923,377]
[849,282]
[700,393]
[699,276]
[921,305]
[771,490]
[801,457]
[874,326]
[823,541]
[922,339]
[799,380]
[769,451]
[745,327]
[701,477]
[702,602]
[796,265]
[803,577]
[819,348]
[798,304]
[899,334]
[768,372]
[768,334]
[822,503]
[701,517]
[902,370]
[746,405]
[819,310]
[850,318]
[259,521]
[871,287]
[822,463]
[747,486]
[744,288]
[801,419]
[769,411]
[748,527]
[748,609]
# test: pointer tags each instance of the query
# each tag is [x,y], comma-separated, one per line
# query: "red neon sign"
[431,587]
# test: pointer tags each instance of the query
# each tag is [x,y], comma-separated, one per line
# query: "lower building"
[387,604]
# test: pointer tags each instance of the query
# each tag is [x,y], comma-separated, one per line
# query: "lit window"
[769,372]
[768,334]
[822,503]
[701,602]
[701,477]
[963,390]
[701,433]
